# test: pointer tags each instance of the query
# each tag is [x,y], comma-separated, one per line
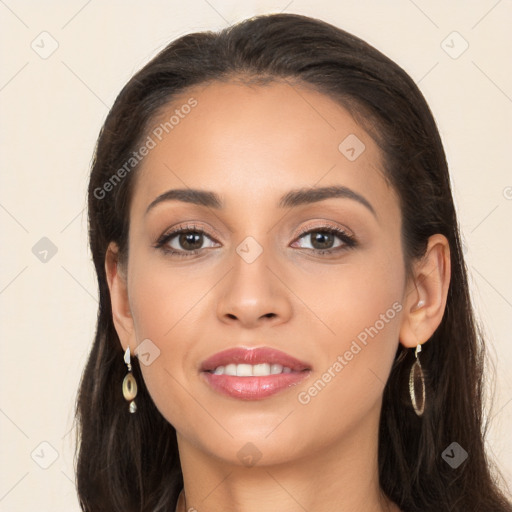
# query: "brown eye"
[185,241]
[190,240]
[323,239]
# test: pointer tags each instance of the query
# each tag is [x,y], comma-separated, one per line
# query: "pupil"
[187,240]
[324,239]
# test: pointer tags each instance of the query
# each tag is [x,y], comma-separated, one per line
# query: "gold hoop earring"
[416,376]
[129,384]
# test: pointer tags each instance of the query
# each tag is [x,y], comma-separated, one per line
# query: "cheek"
[357,297]
[165,307]
[361,311]
[161,298]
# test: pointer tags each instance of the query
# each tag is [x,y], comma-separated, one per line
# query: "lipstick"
[253,374]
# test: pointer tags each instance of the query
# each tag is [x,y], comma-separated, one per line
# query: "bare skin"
[251,145]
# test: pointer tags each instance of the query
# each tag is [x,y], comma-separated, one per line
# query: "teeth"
[230,369]
[249,370]
[275,368]
[244,370]
[261,369]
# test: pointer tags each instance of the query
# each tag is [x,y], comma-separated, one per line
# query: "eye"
[183,241]
[323,239]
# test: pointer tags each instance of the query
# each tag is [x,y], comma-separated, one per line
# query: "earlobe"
[427,293]
[117,283]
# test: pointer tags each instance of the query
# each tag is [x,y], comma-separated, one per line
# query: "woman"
[284,321]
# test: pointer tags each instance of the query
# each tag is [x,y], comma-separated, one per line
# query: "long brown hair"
[130,462]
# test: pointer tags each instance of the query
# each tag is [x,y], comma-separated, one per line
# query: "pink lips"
[255,387]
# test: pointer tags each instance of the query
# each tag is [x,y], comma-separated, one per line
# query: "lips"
[253,374]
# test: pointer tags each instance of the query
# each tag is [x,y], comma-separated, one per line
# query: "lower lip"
[253,388]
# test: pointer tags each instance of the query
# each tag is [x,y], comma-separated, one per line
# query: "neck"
[342,476]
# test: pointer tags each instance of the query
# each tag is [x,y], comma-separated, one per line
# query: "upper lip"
[243,355]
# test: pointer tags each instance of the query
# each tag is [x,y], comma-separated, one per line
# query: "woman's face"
[255,280]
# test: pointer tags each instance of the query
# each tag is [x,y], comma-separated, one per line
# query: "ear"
[117,283]
[427,291]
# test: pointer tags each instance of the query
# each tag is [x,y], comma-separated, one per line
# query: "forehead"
[254,143]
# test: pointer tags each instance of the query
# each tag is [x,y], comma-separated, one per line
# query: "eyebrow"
[291,199]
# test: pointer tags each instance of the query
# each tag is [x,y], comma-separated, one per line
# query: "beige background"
[52,109]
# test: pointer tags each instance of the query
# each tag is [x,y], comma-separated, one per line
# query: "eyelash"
[348,240]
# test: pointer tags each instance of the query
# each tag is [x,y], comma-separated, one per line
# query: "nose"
[254,294]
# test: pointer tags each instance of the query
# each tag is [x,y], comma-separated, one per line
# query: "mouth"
[253,374]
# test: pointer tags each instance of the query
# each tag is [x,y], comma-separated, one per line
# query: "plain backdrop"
[62,65]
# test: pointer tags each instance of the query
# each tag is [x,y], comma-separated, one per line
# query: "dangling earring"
[416,376]
[129,384]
